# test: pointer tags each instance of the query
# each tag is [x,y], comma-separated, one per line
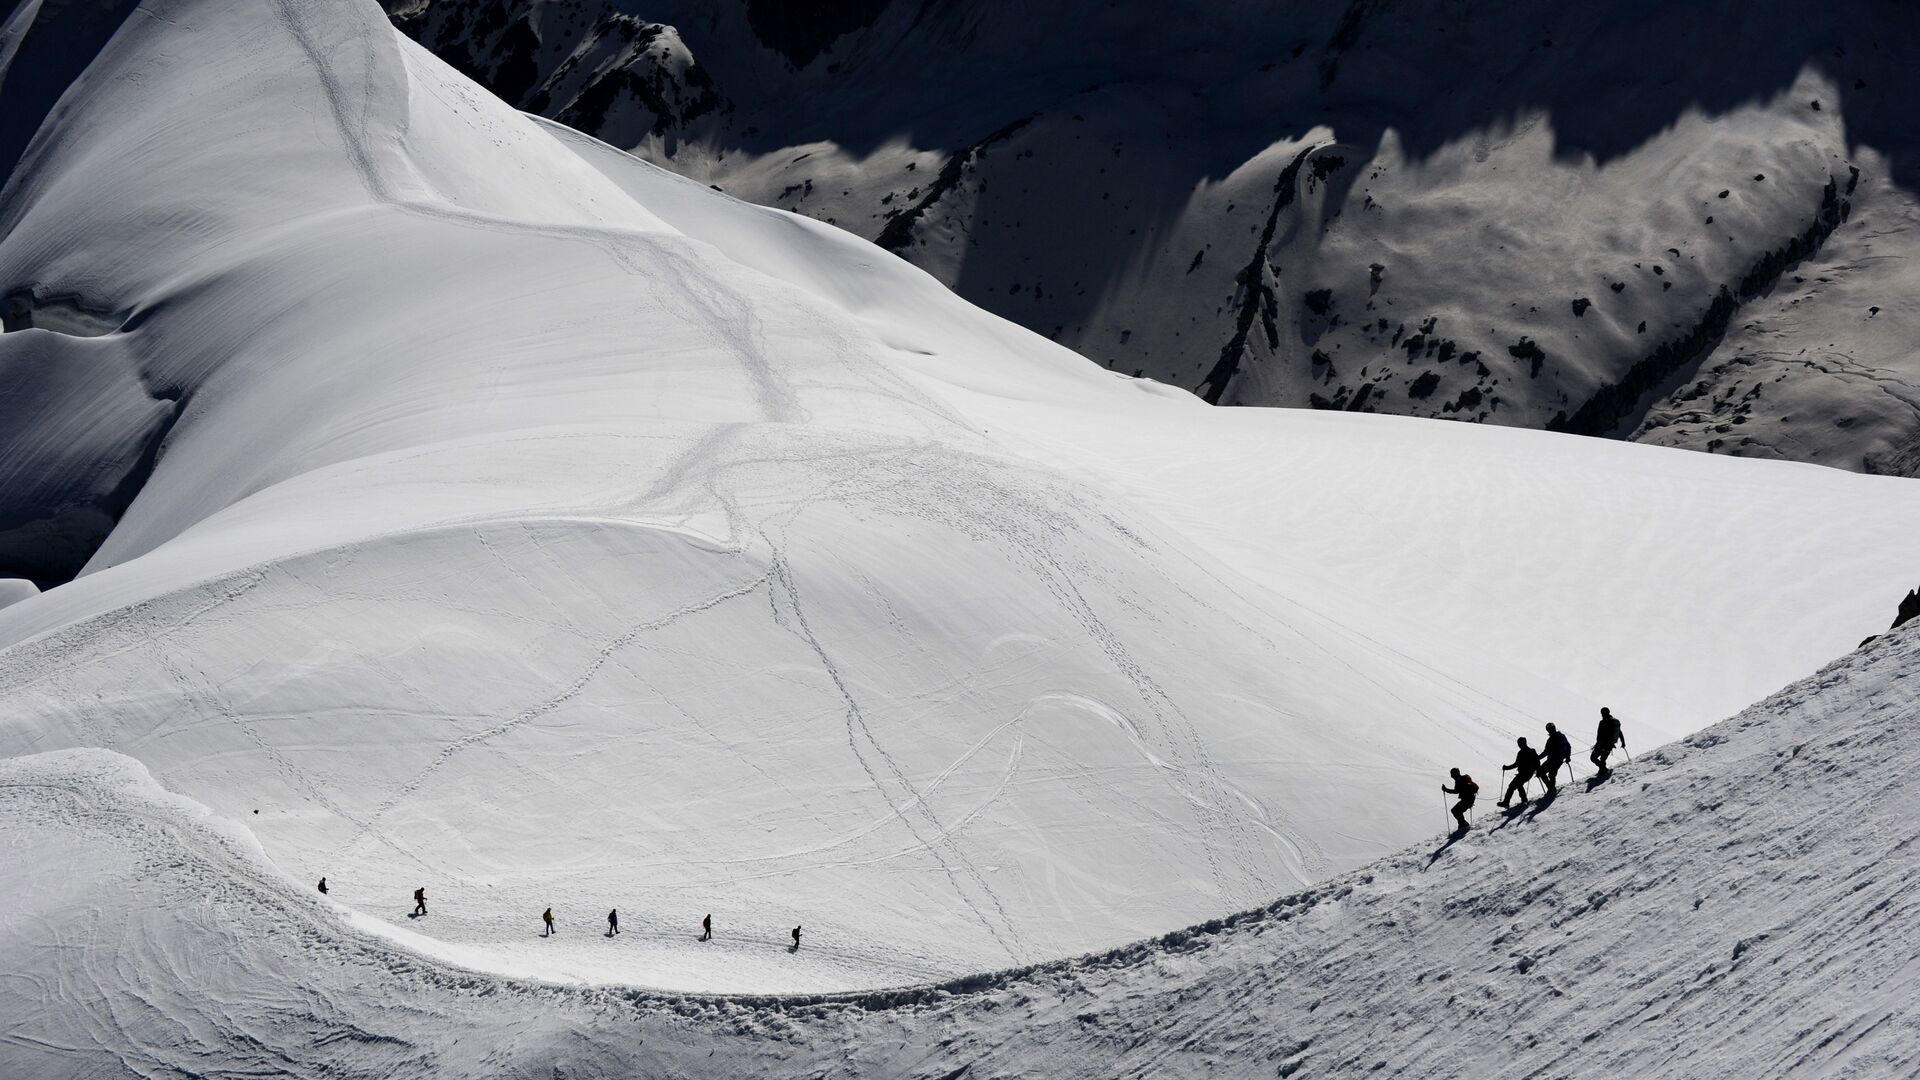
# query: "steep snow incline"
[1577,545]
[1530,214]
[488,512]
[1738,905]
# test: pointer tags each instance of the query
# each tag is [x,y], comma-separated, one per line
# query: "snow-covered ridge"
[508,517]
[1736,905]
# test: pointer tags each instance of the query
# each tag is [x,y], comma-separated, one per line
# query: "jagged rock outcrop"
[1670,227]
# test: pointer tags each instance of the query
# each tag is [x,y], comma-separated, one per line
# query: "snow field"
[540,528]
[1738,904]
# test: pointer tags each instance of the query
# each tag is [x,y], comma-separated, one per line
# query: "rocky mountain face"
[1680,224]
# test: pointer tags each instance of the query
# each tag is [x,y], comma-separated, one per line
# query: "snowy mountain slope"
[1540,215]
[1583,556]
[493,513]
[1737,905]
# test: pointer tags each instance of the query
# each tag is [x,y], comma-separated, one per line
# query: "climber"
[796,940]
[1525,764]
[1464,787]
[1605,739]
[323,886]
[613,922]
[706,928]
[1559,750]
[420,901]
[547,917]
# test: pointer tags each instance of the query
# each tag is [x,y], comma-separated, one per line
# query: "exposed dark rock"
[899,231]
[1255,297]
[1322,167]
[1612,402]
[1526,349]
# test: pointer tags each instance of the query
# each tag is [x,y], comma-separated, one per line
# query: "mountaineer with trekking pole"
[1464,787]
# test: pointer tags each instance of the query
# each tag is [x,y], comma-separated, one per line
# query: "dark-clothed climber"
[1558,751]
[1605,739]
[1464,787]
[1525,764]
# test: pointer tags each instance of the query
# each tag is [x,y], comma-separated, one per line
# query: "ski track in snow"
[542,708]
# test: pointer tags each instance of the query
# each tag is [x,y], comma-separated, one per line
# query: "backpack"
[1468,789]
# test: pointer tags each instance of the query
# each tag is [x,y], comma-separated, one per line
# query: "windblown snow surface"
[1738,905]
[453,501]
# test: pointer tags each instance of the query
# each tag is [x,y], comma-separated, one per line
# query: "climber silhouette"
[1464,787]
[706,928]
[796,940]
[1525,764]
[1605,739]
[613,921]
[1558,751]
[323,886]
[547,917]
[419,902]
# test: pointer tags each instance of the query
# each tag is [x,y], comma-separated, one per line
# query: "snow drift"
[475,507]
